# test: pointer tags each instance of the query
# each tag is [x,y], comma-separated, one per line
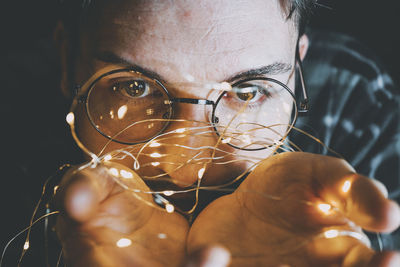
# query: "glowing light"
[162,236]
[246,139]
[55,189]
[122,111]
[224,86]
[113,171]
[325,208]
[155,163]
[126,174]
[180,130]
[346,186]
[151,125]
[169,208]
[155,155]
[26,245]
[201,172]
[168,193]
[149,111]
[154,144]
[112,114]
[107,157]
[331,233]
[124,242]
[70,118]
[227,140]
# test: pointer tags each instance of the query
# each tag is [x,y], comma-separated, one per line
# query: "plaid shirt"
[355,110]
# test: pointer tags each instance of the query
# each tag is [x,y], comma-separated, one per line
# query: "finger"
[81,191]
[211,256]
[362,256]
[358,256]
[385,259]
[364,202]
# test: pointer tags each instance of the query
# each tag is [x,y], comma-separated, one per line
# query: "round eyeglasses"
[129,107]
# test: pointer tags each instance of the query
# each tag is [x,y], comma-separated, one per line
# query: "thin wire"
[21,232]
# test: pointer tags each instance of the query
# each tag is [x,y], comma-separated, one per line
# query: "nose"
[188,142]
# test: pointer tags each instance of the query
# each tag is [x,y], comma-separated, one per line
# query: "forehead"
[209,39]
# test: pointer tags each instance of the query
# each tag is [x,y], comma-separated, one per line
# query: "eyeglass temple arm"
[304,103]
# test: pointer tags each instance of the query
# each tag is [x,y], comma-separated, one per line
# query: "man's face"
[187,44]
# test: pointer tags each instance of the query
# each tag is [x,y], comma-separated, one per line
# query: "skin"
[211,41]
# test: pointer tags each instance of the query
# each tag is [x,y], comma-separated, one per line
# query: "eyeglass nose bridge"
[195,101]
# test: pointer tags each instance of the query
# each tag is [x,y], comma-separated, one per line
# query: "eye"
[133,88]
[249,92]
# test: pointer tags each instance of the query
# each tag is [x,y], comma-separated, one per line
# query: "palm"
[121,230]
[271,220]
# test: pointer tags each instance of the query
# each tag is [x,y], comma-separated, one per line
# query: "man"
[274,217]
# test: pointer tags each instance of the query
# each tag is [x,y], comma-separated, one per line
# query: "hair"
[299,10]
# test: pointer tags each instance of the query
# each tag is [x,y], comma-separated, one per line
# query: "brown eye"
[133,88]
[246,92]
[246,96]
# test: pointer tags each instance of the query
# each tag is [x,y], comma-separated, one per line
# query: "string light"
[169,208]
[154,144]
[162,236]
[113,172]
[155,155]
[124,242]
[325,208]
[122,111]
[26,245]
[199,158]
[126,174]
[331,234]
[70,118]
[180,130]
[201,172]
[346,186]
[168,192]
[226,140]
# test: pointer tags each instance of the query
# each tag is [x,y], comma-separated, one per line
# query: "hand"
[96,212]
[274,217]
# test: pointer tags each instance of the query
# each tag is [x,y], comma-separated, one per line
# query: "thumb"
[81,191]
[210,256]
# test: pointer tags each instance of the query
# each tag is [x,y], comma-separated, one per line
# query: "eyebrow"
[110,57]
[271,69]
